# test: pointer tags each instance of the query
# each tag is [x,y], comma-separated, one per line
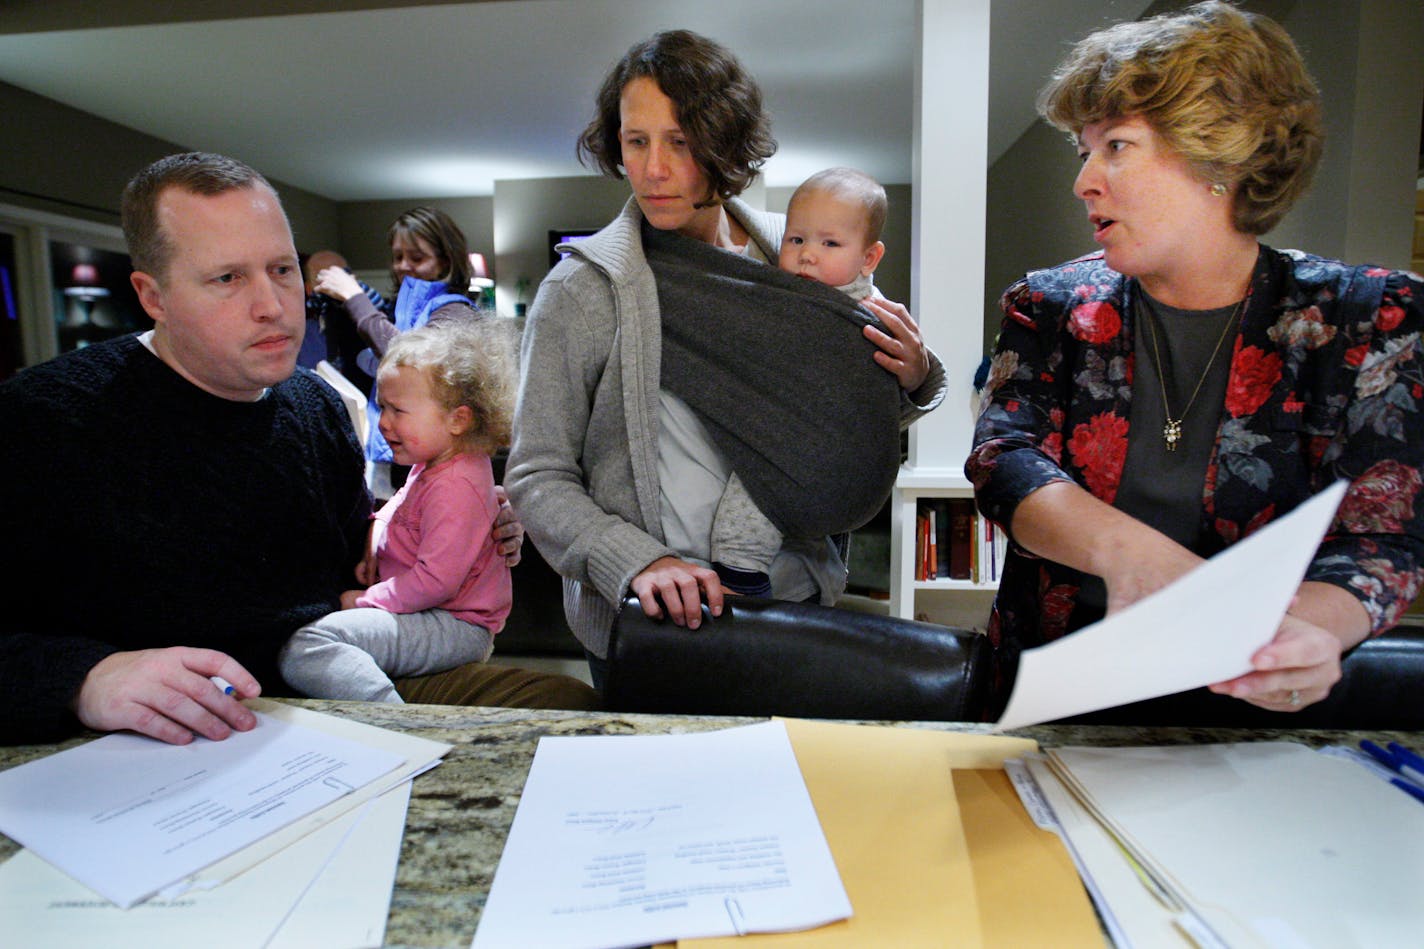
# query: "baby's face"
[825,240]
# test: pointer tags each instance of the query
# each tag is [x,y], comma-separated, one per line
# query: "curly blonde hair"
[1226,90]
[469,362]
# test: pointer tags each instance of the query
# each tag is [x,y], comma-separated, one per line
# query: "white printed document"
[1202,629]
[127,815]
[329,890]
[631,840]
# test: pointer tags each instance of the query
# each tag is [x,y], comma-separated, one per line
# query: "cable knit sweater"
[140,511]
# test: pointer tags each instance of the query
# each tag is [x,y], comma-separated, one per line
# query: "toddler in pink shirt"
[437,589]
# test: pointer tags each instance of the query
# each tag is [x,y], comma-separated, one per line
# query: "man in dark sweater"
[174,505]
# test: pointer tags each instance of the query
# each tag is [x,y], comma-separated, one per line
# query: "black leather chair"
[767,657]
[1381,687]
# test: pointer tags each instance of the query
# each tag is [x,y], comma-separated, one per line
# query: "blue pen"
[1392,760]
[1409,788]
[223,685]
[1409,763]
[1384,757]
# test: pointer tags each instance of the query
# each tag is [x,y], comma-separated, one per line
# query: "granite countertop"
[461,811]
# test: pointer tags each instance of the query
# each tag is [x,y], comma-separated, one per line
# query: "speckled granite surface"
[461,811]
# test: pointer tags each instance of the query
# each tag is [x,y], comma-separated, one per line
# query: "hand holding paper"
[1200,630]
[1301,663]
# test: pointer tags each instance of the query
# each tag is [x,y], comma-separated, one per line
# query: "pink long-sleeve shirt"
[434,548]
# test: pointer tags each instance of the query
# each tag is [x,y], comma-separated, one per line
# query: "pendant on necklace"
[1172,433]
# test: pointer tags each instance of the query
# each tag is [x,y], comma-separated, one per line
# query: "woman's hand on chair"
[675,588]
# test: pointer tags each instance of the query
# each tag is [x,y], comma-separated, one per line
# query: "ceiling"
[440,100]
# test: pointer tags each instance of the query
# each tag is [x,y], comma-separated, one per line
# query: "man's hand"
[166,694]
[678,586]
[508,533]
[902,351]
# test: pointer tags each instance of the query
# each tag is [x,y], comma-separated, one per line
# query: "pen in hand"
[224,686]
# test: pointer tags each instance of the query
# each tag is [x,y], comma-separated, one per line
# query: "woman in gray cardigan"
[615,478]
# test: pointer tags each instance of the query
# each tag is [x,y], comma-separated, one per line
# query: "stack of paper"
[1264,844]
[319,802]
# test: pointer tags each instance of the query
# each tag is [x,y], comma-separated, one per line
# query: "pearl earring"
[1218,189]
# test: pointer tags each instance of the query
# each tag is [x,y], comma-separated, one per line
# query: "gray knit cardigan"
[582,471]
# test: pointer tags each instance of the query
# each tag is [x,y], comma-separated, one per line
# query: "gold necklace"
[1172,431]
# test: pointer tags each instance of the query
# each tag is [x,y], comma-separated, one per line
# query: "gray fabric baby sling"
[776,368]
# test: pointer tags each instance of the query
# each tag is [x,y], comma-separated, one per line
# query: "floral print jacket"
[1326,382]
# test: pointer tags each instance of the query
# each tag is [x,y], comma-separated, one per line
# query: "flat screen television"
[565,236]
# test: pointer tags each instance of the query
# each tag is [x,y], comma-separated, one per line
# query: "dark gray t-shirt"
[1163,488]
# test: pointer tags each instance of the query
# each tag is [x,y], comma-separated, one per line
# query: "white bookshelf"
[913,486]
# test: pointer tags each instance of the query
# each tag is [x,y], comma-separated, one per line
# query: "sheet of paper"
[332,888]
[1132,913]
[629,840]
[128,815]
[348,903]
[1202,629]
[419,755]
[1269,843]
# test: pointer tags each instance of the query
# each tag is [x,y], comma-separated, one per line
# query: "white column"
[950,175]
[951,135]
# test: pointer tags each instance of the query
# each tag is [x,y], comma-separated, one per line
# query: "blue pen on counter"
[1402,776]
[223,685]
[1410,764]
[1409,787]
[1380,754]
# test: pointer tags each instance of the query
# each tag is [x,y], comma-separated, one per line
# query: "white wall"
[524,212]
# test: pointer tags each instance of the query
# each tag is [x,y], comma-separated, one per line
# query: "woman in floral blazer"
[1317,372]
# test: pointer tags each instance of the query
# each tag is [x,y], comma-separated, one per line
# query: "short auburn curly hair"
[718,107]
[1226,90]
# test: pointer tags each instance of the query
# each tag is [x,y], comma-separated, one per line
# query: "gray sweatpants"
[354,654]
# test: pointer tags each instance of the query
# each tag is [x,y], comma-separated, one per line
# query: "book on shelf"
[953,542]
[962,521]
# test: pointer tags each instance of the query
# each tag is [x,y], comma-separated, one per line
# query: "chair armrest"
[769,657]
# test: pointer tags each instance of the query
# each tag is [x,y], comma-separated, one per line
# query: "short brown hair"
[718,107]
[1226,90]
[469,362]
[444,236]
[855,186]
[200,173]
